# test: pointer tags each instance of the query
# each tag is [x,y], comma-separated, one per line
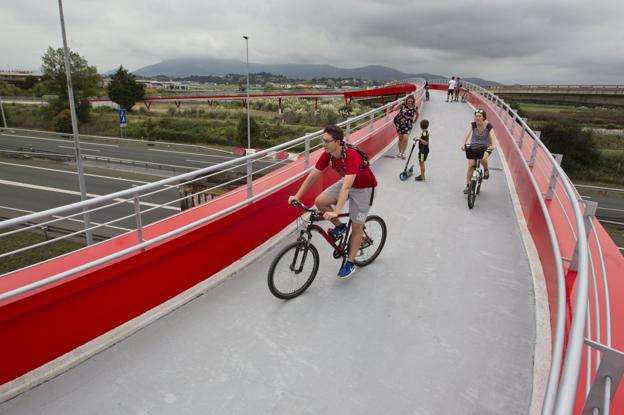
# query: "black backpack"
[365,162]
[363,166]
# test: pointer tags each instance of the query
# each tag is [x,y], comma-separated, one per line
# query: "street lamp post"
[248,118]
[72,109]
[2,111]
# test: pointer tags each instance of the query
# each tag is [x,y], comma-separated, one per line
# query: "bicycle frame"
[477,174]
[314,227]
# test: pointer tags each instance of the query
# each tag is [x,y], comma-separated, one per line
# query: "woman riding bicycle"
[356,186]
[480,134]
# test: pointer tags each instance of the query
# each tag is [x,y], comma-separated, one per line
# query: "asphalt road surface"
[168,157]
[27,187]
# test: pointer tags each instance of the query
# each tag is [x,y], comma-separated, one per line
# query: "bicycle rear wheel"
[374,239]
[293,269]
[472,194]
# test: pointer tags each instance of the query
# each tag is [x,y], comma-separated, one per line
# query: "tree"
[84,81]
[241,130]
[580,153]
[124,90]
[28,82]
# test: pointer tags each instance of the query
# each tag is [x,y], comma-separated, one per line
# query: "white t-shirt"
[451,84]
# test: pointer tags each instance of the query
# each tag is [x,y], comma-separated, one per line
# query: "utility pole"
[2,111]
[248,116]
[72,109]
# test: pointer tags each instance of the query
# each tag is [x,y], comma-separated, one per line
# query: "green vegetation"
[124,90]
[584,157]
[591,153]
[54,82]
[594,117]
[222,124]
[31,256]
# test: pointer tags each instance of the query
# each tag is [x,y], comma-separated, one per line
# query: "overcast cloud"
[533,41]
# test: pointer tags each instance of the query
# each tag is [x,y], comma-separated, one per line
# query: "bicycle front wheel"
[373,241]
[472,194]
[293,270]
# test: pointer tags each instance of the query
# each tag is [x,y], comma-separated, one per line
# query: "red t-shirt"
[363,179]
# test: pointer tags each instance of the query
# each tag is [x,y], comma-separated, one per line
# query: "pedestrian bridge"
[512,307]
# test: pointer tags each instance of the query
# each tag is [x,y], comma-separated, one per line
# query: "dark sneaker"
[337,232]
[486,174]
[419,179]
[466,189]
[347,269]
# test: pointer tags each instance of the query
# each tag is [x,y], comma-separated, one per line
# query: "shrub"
[613,166]
[62,122]
[241,130]
[578,147]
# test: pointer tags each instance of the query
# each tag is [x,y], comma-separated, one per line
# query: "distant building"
[14,75]
[170,85]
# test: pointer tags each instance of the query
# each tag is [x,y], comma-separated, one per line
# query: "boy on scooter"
[423,149]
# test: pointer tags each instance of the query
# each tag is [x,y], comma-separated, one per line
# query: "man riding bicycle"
[357,186]
[480,134]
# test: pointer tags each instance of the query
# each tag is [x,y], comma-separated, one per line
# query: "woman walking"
[404,120]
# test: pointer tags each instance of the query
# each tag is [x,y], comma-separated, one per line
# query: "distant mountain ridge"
[184,67]
[210,66]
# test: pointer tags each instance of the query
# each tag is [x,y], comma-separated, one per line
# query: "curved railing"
[571,230]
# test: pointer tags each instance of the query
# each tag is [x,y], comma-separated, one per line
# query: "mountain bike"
[294,267]
[475,152]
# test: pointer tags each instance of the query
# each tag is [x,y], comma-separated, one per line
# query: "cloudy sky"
[533,41]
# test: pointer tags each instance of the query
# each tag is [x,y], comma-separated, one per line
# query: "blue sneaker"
[347,269]
[337,232]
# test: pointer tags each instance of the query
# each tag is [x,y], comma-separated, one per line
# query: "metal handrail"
[130,193]
[558,400]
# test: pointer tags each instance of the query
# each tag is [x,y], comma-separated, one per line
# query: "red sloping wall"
[565,228]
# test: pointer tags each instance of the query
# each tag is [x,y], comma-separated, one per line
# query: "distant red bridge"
[393,91]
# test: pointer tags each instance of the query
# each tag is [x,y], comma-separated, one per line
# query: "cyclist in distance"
[480,134]
[357,186]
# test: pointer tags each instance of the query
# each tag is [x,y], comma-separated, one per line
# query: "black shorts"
[423,152]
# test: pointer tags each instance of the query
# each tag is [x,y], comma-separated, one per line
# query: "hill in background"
[181,68]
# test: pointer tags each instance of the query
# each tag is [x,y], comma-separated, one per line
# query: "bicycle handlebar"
[304,207]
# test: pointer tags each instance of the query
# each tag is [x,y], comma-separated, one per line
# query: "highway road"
[27,187]
[610,211]
[171,158]
[32,185]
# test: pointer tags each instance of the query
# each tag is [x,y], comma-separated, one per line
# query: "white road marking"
[70,219]
[612,209]
[98,144]
[202,161]
[72,192]
[188,152]
[38,138]
[81,148]
[74,173]
[210,155]
[63,140]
